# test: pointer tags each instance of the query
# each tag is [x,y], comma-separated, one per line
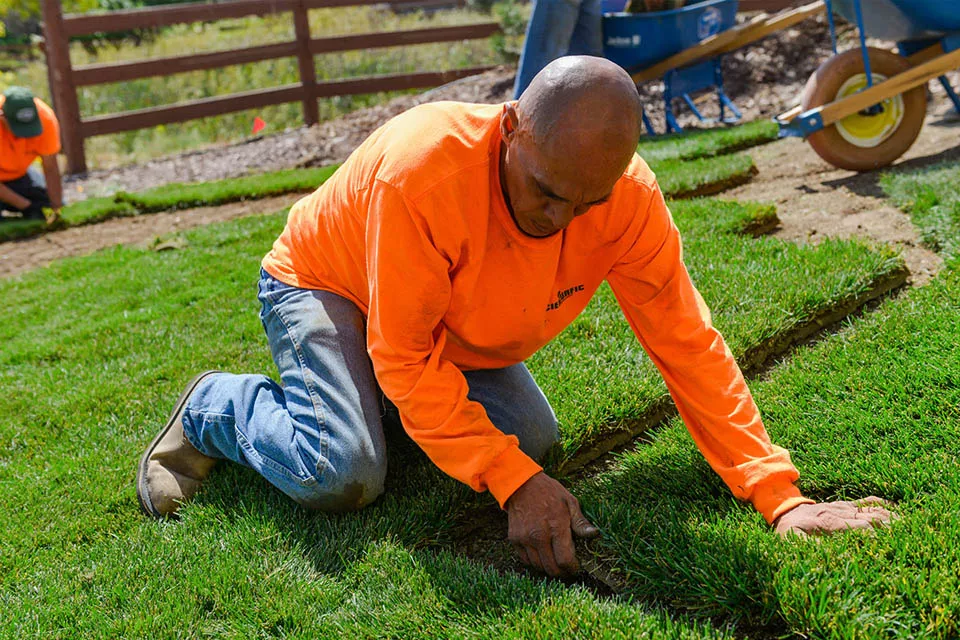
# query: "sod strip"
[210,194]
[96,349]
[932,198]
[708,143]
[172,197]
[766,295]
[873,410]
[681,179]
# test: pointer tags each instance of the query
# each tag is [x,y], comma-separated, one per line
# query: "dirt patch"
[816,201]
[21,255]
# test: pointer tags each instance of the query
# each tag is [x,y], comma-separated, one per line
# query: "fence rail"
[64,78]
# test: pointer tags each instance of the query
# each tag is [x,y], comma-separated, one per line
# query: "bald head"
[567,142]
[591,99]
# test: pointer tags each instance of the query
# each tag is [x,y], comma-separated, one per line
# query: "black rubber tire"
[823,87]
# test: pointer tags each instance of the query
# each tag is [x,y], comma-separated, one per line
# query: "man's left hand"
[831,517]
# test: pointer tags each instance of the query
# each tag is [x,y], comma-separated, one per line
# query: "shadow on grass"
[868,184]
[398,555]
[417,509]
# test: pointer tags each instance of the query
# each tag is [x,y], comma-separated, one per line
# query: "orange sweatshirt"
[414,229]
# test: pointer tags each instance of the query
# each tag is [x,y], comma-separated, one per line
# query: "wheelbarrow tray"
[903,19]
[639,40]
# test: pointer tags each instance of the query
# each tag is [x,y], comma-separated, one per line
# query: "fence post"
[308,73]
[62,88]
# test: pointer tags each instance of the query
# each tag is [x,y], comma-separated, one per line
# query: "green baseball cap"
[21,113]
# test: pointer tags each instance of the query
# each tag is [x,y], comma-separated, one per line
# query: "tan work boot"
[171,470]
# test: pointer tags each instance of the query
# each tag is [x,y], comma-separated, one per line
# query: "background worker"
[28,130]
[455,242]
[558,28]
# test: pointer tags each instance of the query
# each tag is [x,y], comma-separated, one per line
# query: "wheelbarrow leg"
[721,96]
[671,120]
[646,122]
[954,98]
[693,107]
[672,125]
[726,102]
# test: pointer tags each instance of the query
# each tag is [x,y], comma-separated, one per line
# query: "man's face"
[546,188]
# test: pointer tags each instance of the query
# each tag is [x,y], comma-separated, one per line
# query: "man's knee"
[539,437]
[348,487]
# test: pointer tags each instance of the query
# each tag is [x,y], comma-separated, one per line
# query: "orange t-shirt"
[16,154]
[414,229]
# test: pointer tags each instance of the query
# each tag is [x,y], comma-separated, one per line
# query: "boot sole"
[143,496]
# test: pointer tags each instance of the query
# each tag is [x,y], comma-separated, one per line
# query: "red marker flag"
[258,125]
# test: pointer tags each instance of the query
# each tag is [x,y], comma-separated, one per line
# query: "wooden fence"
[64,78]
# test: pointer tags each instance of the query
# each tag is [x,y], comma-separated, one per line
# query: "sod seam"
[755,359]
[603,387]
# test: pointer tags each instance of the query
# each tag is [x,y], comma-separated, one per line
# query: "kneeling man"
[455,242]
[28,130]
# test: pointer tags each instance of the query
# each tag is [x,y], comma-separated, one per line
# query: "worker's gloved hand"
[830,517]
[542,515]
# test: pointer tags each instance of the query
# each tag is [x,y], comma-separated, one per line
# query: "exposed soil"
[816,201]
[21,255]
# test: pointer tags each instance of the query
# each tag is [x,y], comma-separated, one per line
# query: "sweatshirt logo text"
[563,295]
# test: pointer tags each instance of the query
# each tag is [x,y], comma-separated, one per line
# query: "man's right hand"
[542,514]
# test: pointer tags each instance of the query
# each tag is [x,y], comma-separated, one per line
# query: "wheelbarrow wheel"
[862,141]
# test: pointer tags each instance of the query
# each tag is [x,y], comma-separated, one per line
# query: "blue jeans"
[319,437]
[558,28]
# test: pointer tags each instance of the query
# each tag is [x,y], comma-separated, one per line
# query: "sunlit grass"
[932,198]
[872,410]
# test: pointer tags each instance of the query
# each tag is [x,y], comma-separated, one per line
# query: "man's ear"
[509,121]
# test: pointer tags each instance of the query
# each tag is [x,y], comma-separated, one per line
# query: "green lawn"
[932,198]
[96,349]
[116,334]
[875,410]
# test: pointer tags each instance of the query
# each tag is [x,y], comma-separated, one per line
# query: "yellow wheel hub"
[868,131]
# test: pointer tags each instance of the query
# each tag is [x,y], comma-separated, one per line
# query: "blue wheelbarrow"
[863,108]
[639,41]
